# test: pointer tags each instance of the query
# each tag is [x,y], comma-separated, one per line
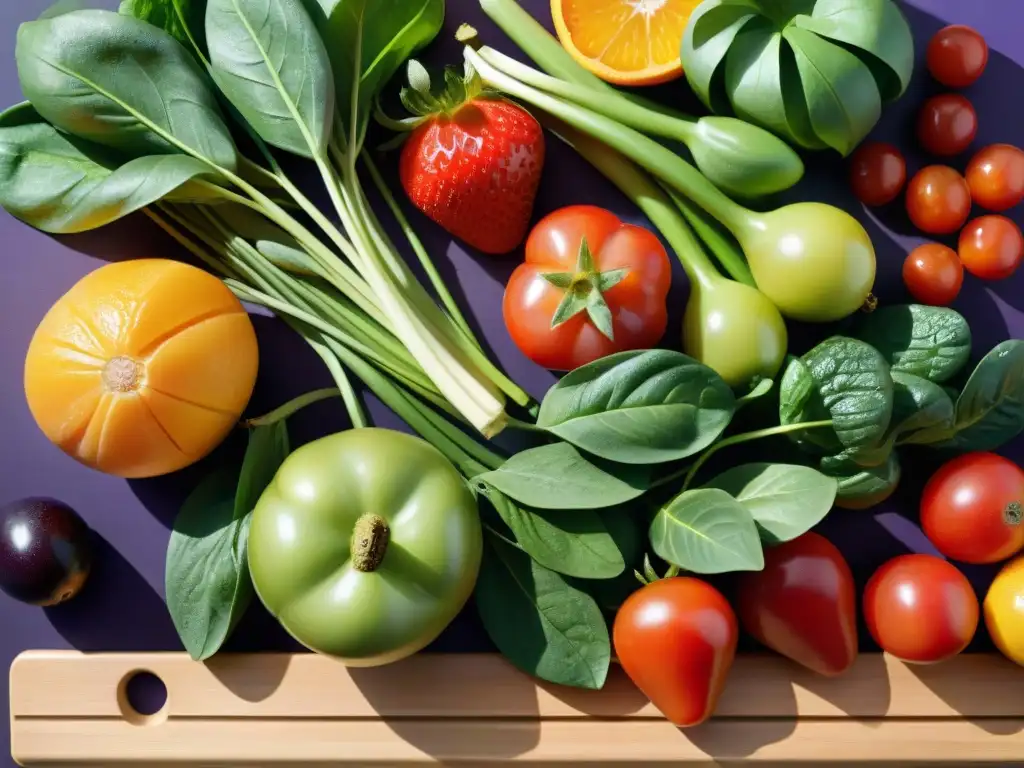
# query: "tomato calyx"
[370,538]
[649,576]
[584,291]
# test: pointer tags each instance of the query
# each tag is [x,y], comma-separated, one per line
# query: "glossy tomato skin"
[971,508]
[995,176]
[920,609]
[803,605]
[938,200]
[957,56]
[637,302]
[676,639]
[991,247]
[947,124]
[877,173]
[933,274]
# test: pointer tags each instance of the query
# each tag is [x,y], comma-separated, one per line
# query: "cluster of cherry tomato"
[676,637]
[938,197]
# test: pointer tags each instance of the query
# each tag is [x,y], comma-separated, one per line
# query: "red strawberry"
[474,161]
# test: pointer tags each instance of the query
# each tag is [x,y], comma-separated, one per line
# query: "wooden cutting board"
[276,710]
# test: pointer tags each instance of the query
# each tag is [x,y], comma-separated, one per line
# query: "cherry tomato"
[803,604]
[957,56]
[947,124]
[971,508]
[920,609]
[676,639]
[1004,610]
[877,173]
[933,274]
[991,247]
[938,200]
[996,177]
[590,285]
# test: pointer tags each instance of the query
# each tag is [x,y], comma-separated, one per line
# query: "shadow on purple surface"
[117,611]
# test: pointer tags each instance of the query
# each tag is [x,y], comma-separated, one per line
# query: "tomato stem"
[370,538]
[1013,514]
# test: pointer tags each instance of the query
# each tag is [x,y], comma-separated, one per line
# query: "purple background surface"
[123,610]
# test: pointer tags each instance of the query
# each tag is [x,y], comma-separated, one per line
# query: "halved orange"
[626,42]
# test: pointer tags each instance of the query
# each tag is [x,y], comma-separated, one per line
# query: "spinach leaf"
[841,379]
[156,101]
[785,500]
[922,412]
[558,476]
[181,19]
[931,342]
[542,624]
[575,543]
[61,184]
[707,531]
[759,390]
[269,61]
[990,410]
[640,407]
[863,487]
[369,40]
[207,572]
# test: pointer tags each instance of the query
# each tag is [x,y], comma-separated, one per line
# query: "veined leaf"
[931,342]
[181,19]
[990,410]
[709,33]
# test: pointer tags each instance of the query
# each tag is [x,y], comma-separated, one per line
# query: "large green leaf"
[122,83]
[541,623]
[710,31]
[876,30]
[640,407]
[863,487]
[931,342]
[990,410]
[922,412]
[62,184]
[181,19]
[707,531]
[842,99]
[370,40]
[785,500]
[268,59]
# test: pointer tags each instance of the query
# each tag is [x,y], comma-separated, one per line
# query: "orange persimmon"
[142,368]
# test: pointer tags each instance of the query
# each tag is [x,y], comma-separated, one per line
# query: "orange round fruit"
[142,368]
[626,42]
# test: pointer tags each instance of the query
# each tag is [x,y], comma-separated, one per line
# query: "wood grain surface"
[263,710]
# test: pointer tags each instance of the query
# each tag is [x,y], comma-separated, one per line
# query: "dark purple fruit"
[45,551]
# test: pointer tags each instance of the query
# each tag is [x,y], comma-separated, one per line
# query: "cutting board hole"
[142,697]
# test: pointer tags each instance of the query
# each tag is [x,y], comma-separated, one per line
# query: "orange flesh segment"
[628,36]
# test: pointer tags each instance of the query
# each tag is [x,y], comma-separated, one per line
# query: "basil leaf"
[851,385]
[876,30]
[922,412]
[558,476]
[542,624]
[61,184]
[155,106]
[931,342]
[710,31]
[639,407]
[990,411]
[207,576]
[785,500]
[574,543]
[842,99]
[707,531]
[384,34]
[181,19]
[863,487]
[268,448]
[269,61]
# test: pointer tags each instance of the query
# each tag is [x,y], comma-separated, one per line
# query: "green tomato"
[814,261]
[365,545]
[734,330]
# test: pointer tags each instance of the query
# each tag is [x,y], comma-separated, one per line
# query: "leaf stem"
[291,407]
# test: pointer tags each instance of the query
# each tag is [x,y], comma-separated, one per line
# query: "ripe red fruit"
[957,55]
[877,173]
[947,124]
[473,164]
[803,604]
[938,200]
[991,247]
[996,177]
[933,274]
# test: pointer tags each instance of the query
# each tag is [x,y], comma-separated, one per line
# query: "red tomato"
[877,173]
[933,274]
[676,639]
[920,609]
[996,177]
[957,56]
[971,508]
[550,308]
[938,200]
[947,124]
[991,247]
[803,604]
